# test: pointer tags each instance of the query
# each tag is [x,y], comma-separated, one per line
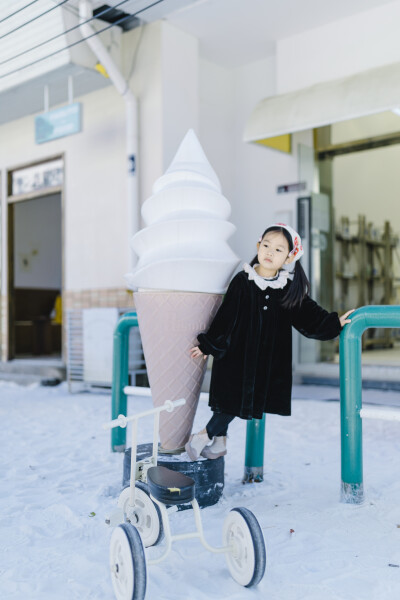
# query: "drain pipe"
[131,112]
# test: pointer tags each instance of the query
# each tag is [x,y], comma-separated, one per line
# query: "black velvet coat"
[250,339]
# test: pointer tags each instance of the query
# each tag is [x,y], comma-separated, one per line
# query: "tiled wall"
[97,298]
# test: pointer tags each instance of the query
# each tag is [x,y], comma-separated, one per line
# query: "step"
[24,380]
[30,371]
[378,377]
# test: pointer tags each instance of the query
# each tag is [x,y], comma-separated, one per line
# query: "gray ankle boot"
[216,449]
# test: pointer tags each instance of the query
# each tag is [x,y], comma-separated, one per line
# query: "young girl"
[250,338]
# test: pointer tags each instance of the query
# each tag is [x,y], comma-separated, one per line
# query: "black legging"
[218,424]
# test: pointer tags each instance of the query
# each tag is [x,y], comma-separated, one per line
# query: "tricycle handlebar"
[122,420]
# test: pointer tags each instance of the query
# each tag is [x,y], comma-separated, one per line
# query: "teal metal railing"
[254,455]
[352,490]
[120,377]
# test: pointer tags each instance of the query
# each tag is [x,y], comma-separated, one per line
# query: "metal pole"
[352,490]
[254,458]
[120,377]
[133,463]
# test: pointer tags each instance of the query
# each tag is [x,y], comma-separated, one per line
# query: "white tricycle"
[142,519]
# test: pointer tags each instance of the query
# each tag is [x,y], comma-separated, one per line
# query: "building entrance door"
[35,274]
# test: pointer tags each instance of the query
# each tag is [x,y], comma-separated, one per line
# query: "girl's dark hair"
[300,285]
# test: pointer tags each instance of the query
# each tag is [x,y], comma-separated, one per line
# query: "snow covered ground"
[59,479]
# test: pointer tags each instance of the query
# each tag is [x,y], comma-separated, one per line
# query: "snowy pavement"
[59,480]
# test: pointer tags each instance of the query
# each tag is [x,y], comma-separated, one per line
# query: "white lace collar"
[275,283]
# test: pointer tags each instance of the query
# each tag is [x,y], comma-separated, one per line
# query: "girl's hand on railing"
[195,352]
[343,319]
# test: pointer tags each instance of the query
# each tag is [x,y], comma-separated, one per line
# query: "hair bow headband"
[297,251]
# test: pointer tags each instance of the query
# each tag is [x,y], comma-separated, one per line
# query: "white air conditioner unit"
[66,47]
[98,330]
[90,334]
[47,51]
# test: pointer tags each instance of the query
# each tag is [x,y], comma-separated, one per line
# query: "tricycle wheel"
[127,563]
[145,516]
[246,559]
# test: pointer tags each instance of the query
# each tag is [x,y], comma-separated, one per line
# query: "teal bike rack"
[254,460]
[351,411]
[352,490]
[254,455]
[120,377]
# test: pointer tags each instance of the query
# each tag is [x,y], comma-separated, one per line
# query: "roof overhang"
[360,95]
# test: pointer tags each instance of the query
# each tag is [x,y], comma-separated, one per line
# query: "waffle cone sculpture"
[184,267]
[169,323]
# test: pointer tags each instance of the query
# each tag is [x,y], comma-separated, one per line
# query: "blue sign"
[58,123]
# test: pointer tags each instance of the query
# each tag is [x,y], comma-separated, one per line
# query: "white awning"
[359,95]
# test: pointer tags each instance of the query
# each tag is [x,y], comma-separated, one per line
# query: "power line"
[31,20]
[18,11]
[118,22]
[135,54]
[3,62]
[71,9]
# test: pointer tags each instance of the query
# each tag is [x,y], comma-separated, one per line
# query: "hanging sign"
[58,123]
[37,177]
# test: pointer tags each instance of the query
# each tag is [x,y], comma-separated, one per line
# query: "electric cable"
[33,19]
[18,11]
[68,8]
[135,54]
[117,22]
[106,10]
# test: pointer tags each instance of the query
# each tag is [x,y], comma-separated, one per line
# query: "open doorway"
[35,276]
[358,166]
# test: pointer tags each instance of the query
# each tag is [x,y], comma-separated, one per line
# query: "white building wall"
[258,170]
[96,204]
[95,208]
[96,226]
[177,90]
[142,61]
[216,121]
[180,88]
[249,173]
[347,46]
[163,64]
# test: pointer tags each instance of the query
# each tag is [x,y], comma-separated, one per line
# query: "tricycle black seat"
[170,487]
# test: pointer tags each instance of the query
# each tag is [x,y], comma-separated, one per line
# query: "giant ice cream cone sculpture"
[184,268]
